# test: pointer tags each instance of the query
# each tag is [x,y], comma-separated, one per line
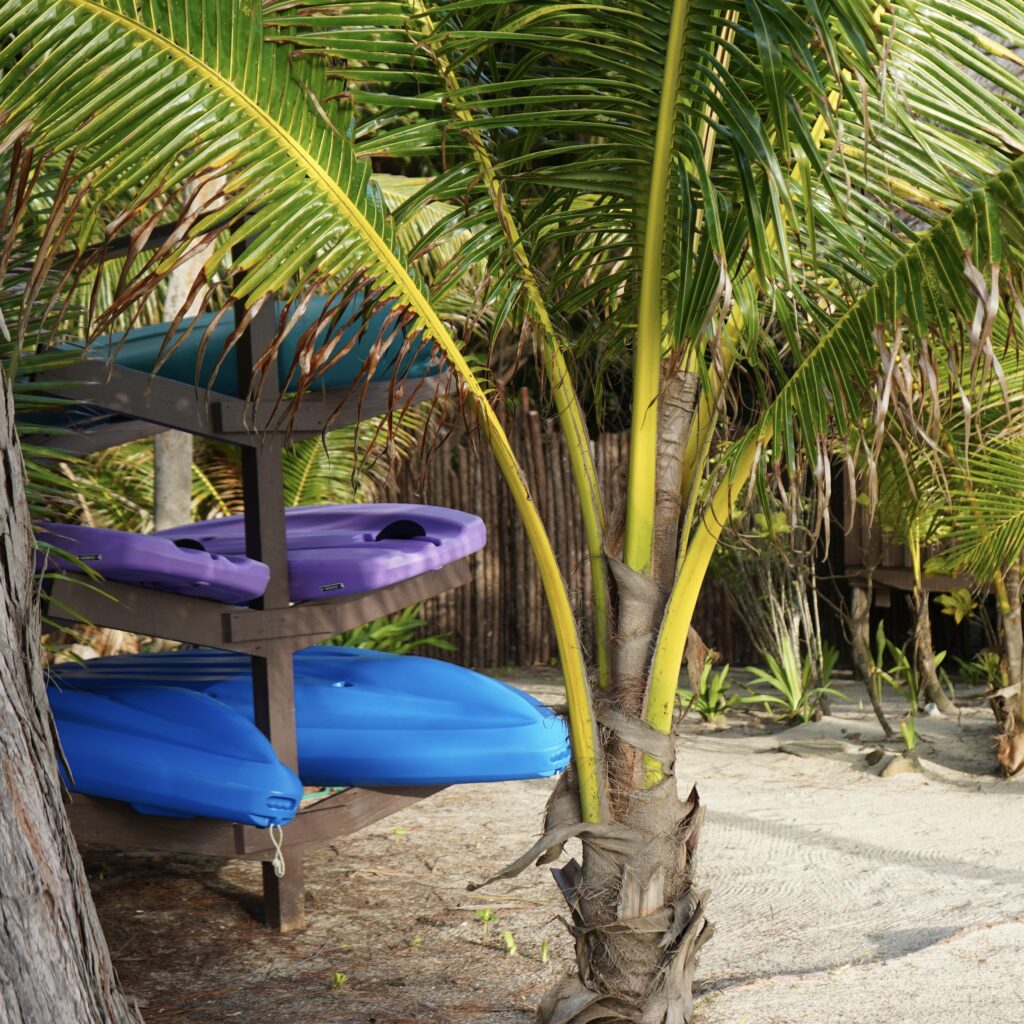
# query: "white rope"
[277,837]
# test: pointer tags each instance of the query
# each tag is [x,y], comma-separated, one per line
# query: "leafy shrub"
[794,698]
[711,700]
[396,634]
[902,674]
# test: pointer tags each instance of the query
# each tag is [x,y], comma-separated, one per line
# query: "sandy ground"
[839,897]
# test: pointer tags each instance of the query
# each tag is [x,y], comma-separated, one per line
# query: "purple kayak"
[150,560]
[334,550]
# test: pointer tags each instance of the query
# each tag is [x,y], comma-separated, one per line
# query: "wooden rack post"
[273,677]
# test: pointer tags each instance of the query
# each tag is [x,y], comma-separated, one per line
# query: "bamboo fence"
[500,618]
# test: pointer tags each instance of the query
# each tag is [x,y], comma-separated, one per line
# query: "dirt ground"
[839,897]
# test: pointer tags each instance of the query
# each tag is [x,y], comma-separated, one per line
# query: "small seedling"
[510,943]
[339,979]
[485,917]
[545,952]
[909,731]
[399,832]
[416,941]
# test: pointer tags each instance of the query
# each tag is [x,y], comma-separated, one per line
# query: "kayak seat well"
[402,529]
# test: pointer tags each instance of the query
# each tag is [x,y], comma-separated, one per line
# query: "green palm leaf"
[981,515]
[924,296]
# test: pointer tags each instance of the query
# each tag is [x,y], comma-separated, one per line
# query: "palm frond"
[929,298]
[981,514]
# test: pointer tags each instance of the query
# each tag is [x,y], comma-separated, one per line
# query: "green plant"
[339,979]
[908,730]
[486,917]
[984,669]
[795,698]
[511,949]
[960,604]
[711,701]
[399,633]
[902,673]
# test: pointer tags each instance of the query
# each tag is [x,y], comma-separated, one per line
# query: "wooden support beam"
[87,438]
[193,620]
[171,404]
[300,623]
[112,823]
[903,579]
[273,674]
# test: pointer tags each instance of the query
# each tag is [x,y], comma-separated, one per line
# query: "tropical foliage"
[785,220]
[710,697]
[788,686]
[769,565]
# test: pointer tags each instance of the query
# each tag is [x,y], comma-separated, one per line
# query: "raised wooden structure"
[271,630]
[868,554]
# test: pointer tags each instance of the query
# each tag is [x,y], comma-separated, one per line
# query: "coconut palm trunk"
[54,962]
[173,449]
[924,654]
[1010,702]
[858,624]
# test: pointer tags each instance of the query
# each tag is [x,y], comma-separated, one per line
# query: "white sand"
[845,898]
[839,898]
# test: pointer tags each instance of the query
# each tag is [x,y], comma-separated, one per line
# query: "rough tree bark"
[924,654]
[54,964]
[635,914]
[1009,701]
[858,621]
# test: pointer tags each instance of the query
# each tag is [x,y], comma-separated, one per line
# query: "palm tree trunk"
[54,962]
[636,915]
[637,918]
[924,655]
[678,403]
[858,620]
[1010,708]
[173,449]
[172,479]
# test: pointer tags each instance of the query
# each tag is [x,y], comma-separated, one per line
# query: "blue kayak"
[172,752]
[357,337]
[369,719]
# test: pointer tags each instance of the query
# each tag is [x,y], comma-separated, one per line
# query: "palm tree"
[966,489]
[984,531]
[908,520]
[764,209]
[54,962]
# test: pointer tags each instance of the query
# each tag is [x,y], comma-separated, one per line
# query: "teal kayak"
[359,337]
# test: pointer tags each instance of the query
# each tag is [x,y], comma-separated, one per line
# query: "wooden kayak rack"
[271,629]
